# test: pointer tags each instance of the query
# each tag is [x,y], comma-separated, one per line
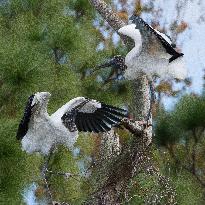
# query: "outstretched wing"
[153,39]
[93,116]
[23,126]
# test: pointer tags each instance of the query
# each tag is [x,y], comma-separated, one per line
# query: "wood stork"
[38,131]
[153,53]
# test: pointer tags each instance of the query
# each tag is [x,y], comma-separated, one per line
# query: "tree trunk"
[109,146]
[116,169]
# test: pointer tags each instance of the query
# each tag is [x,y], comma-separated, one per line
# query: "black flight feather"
[112,117]
[92,125]
[86,122]
[96,121]
[100,120]
[113,107]
[105,118]
[168,47]
[23,126]
[103,124]
[112,111]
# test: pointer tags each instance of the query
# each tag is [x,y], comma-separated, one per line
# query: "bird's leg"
[99,67]
[117,63]
[152,92]
[44,175]
[152,100]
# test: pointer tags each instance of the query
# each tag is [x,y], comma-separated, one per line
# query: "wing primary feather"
[79,123]
[112,117]
[113,107]
[112,111]
[174,57]
[101,120]
[167,46]
[105,118]
[82,119]
[23,126]
[93,125]
[99,127]
[86,122]
[102,124]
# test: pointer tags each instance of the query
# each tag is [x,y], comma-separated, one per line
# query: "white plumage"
[153,53]
[38,131]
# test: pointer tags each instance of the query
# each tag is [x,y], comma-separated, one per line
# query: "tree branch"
[111,17]
[113,176]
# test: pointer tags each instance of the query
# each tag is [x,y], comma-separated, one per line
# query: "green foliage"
[17,168]
[166,130]
[181,132]
[173,126]
[62,189]
[46,46]
[188,189]
[190,112]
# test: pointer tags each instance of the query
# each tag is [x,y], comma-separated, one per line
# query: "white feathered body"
[45,131]
[153,65]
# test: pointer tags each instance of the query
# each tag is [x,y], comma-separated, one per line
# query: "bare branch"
[111,17]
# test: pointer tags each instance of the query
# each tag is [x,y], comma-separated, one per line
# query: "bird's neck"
[138,45]
[133,53]
[41,112]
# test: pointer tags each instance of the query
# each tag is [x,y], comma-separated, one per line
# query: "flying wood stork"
[38,131]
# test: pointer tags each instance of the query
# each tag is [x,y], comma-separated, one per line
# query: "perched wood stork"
[153,53]
[38,131]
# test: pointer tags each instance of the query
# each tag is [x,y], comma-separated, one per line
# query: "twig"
[45,178]
[65,174]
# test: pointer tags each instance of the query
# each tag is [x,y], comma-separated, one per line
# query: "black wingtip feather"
[175,57]
[23,126]
[102,116]
[78,124]
[93,125]
[167,46]
[112,117]
[114,112]
[101,120]
[100,128]
[113,107]
[87,124]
